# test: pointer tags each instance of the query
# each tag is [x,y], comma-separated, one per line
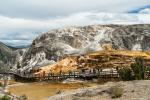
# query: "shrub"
[8,93]
[58,92]
[138,68]
[5,97]
[148,70]
[125,74]
[116,92]
[1,84]
[23,97]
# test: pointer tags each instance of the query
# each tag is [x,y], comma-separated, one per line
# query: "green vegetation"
[148,70]
[138,68]
[23,97]
[5,97]
[125,74]
[58,92]
[116,92]
[1,84]
[136,72]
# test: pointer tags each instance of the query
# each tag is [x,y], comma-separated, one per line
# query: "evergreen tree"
[138,68]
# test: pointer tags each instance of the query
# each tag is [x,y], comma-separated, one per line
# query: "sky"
[21,21]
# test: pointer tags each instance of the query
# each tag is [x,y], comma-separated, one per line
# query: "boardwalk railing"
[61,76]
[102,74]
[111,74]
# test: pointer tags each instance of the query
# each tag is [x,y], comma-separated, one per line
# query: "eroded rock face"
[132,37]
[10,57]
[6,55]
[57,44]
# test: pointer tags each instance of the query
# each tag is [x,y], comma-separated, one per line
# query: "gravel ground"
[132,90]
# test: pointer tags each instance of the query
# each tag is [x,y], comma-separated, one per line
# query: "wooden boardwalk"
[76,75]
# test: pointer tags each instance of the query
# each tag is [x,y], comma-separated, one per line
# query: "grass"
[116,92]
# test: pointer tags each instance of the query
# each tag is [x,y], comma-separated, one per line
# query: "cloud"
[13,30]
[142,10]
[145,11]
[23,20]
[45,9]
[19,31]
[17,39]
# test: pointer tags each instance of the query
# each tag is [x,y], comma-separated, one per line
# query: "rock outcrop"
[54,45]
[10,58]
[97,60]
[6,56]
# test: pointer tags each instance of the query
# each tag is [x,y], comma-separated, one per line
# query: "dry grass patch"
[116,92]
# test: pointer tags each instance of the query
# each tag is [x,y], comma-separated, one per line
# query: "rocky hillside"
[6,55]
[54,45]
[99,60]
[10,57]
[132,37]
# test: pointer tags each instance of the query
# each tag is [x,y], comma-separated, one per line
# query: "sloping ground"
[100,59]
[132,90]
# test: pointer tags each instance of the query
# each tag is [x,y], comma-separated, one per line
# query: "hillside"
[100,59]
[10,57]
[6,55]
[54,45]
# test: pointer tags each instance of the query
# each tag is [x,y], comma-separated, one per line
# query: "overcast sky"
[22,20]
